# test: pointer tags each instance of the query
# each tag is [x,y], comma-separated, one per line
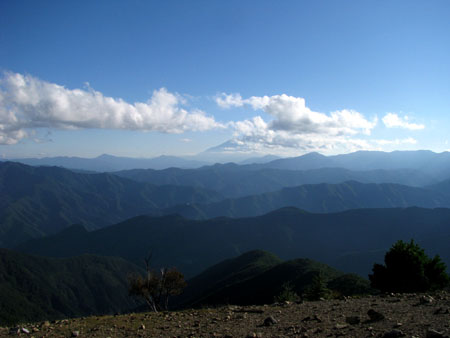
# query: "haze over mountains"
[436,164]
[232,180]
[106,163]
[37,201]
[320,198]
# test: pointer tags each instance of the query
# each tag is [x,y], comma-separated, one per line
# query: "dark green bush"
[317,289]
[408,269]
[287,294]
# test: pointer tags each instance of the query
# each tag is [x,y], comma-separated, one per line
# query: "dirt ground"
[394,315]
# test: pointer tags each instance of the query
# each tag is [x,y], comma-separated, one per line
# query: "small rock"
[353,320]
[75,333]
[270,321]
[374,315]
[14,330]
[434,334]
[341,326]
[314,317]
[426,300]
[441,311]
[394,333]
[142,327]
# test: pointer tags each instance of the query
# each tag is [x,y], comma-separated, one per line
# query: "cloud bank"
[27,103]
[295,127]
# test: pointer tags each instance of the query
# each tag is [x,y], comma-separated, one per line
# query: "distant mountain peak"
[105,156]
[313,154]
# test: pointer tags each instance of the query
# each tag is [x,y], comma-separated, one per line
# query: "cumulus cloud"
[295,127]
[28,103]
[292,115]
[392,120]
[229,100]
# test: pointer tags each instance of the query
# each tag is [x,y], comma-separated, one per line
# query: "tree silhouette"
[157,286]
[408,269]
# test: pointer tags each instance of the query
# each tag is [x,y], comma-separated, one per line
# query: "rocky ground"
[395,315]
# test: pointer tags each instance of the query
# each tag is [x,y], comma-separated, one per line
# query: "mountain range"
[320,198]
[436,164]
[232,180]
[37,201]
[428,162]
[107,163]
[241,233]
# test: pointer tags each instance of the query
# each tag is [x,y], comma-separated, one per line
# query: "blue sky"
[145,78]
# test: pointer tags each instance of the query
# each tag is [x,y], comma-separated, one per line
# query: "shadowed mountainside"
[350,241]
[37,288]
[257,277]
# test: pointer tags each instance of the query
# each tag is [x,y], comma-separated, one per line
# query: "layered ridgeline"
[431,163]
[259,277]
[232,180]
[36,288]
[413,168]
[321,198]
[37,201]
[106,163]
[350,241]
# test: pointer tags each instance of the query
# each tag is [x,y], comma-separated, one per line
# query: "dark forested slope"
[37,201]
[37,288]
[352,240]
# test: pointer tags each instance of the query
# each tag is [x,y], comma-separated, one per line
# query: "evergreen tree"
[408,269]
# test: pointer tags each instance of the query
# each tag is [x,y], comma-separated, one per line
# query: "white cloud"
[296,128]
[28,103]
[392,120]
[229,100]
[291,114]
